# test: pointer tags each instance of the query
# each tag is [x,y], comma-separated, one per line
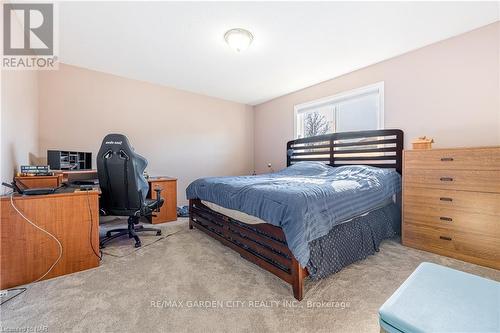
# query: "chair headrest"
[116,142]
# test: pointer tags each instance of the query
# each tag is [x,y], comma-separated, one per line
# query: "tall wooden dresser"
[451,203]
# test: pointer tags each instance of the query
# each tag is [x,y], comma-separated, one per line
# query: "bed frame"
[265,244]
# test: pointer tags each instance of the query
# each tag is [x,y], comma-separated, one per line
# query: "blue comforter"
[306,199]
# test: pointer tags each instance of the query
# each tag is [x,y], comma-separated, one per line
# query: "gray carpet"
[141,291]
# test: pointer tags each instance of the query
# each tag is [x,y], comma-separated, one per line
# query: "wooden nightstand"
[451,203]
[168,212]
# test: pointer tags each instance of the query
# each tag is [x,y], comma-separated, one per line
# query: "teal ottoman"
[440,299]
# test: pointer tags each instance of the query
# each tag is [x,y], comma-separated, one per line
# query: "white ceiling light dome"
[238,39]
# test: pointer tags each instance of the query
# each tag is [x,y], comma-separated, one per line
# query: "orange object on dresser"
[168,212]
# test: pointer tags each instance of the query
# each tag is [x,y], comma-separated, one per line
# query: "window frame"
[375,87]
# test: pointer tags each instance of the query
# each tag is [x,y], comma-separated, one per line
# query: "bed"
[332,205]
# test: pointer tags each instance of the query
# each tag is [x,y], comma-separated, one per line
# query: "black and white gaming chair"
[124,188]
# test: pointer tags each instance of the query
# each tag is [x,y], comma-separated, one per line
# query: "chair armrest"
[158,190]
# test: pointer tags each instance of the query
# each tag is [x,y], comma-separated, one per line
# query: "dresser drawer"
[465,180]
[483,250]
[454,159]
[474,202]
[452,219]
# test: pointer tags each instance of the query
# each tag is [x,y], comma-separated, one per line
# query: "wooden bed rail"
[262,244]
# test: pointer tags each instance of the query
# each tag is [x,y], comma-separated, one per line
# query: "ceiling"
[297,44]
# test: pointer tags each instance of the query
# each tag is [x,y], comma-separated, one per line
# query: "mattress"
[234,214]
[249,219]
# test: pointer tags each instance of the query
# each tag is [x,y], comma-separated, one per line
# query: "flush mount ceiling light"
[238,39]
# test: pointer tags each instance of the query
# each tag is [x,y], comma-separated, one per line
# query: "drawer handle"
[445,238]
[446,159]
[444,218]
[446,199]
[446,179]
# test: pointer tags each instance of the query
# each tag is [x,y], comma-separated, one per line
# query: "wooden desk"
[168,212]
[26,253]
[59,177]
[38,181]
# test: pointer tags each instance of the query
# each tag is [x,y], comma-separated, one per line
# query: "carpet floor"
[189,282]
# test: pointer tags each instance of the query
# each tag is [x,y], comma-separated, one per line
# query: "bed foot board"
[261,244]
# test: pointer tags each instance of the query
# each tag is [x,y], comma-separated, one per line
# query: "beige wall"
[19,121]
[182,134]
[448,90]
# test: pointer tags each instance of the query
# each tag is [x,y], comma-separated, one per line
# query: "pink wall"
[19,121]
[182,134]
[449,91]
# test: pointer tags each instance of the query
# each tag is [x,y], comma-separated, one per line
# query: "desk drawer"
[454,159]
[453,220]
[465,180]
[483,250]
[474,202]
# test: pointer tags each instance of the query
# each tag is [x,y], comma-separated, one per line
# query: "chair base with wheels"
[132,230]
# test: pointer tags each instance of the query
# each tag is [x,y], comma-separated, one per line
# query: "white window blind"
[355,110]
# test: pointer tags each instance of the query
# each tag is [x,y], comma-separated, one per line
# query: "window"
[355,110]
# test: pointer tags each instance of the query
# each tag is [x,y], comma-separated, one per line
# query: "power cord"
[42,230]
[22,290]
[92,229]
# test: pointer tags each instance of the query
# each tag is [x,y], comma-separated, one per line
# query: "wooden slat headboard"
[379,148]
